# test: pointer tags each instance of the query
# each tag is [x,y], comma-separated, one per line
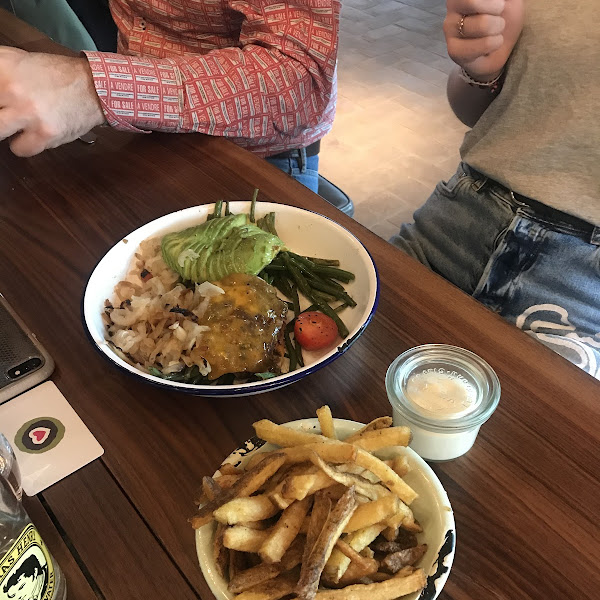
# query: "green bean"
[334,273]
[275,268]
[328,271]
[216,214]
[295,299]
[271,223]
[323,296]
[283,285]
[338,294]
[267,223]
[266,276]
[290,350]
[298,350]
[253,206]
[227,211]
[297,276]
[325,308]
[327,262]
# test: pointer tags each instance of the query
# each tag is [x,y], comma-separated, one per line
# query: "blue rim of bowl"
[239,390]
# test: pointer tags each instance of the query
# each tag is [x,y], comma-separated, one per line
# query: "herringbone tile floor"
[394,136]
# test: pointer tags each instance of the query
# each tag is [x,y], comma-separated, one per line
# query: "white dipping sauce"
[444,394]
[440,392]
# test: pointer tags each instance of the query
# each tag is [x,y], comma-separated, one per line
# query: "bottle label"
[26,570]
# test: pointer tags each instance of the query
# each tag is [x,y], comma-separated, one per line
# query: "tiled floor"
[394,136]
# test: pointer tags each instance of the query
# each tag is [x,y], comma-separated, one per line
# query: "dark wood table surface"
[526,497]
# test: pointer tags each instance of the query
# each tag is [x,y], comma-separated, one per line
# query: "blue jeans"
[303,169]
[541,274]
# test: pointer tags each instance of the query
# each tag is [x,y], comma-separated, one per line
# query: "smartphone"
[23,360]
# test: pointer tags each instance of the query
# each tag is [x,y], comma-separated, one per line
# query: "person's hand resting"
[490,30]
[45,100]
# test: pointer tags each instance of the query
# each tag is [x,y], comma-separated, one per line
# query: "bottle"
[27,569]
[9,468]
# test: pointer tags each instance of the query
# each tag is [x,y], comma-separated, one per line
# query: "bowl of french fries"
[325,509]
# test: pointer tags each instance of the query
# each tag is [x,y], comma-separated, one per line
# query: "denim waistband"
[553,218]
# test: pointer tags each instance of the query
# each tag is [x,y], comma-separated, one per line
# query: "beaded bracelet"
[492,86]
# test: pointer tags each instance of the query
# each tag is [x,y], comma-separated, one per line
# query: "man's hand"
[46,100]
[490,31]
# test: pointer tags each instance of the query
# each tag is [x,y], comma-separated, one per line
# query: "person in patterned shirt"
[259,72]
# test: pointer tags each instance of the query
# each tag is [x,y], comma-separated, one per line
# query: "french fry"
[311,512]
[210,488]
[368,564]
[226,481]
[374,512]
[247,508]
[400,465]
[285,531]
[246,485]
[220,553]
[285,436]
[387,476]
[362,485]
[263,572]
[237,563]
[244,539]
[384,438]
[332,452]
[335,492]
[357,571]
[379,423]
[299,487]
[256,524]
[281,586]
[383,590]
[379,576]
[350,467]
[338,562]
[255,458]
[395,561]
[277,484]
[318,517]
[228,469]
[326,422]
[311,570]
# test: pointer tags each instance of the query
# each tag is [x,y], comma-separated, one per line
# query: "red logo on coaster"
[39,435]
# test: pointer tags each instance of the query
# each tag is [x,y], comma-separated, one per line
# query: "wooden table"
[526,497]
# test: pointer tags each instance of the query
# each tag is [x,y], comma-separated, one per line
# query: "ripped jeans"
[538,270]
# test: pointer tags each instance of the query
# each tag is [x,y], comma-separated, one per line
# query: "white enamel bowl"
[432,509]
[303,232]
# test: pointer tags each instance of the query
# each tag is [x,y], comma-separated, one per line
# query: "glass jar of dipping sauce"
[444,394]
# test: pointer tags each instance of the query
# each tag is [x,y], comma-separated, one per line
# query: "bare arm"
[480,35]
[467,102]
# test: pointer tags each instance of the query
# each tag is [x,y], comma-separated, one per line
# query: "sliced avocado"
[218,248]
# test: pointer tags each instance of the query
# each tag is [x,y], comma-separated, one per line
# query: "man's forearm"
[467,102]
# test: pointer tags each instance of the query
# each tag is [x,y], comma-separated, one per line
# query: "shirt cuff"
[137,94]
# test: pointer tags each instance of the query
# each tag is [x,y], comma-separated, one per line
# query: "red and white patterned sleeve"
[279,81]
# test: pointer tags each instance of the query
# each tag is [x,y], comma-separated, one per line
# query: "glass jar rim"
[488,386]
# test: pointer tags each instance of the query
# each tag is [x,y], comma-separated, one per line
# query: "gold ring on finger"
[461,26]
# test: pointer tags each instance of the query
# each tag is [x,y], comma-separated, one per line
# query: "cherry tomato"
[315,330]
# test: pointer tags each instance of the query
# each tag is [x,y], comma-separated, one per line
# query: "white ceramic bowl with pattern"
[304,232]
[432,509]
